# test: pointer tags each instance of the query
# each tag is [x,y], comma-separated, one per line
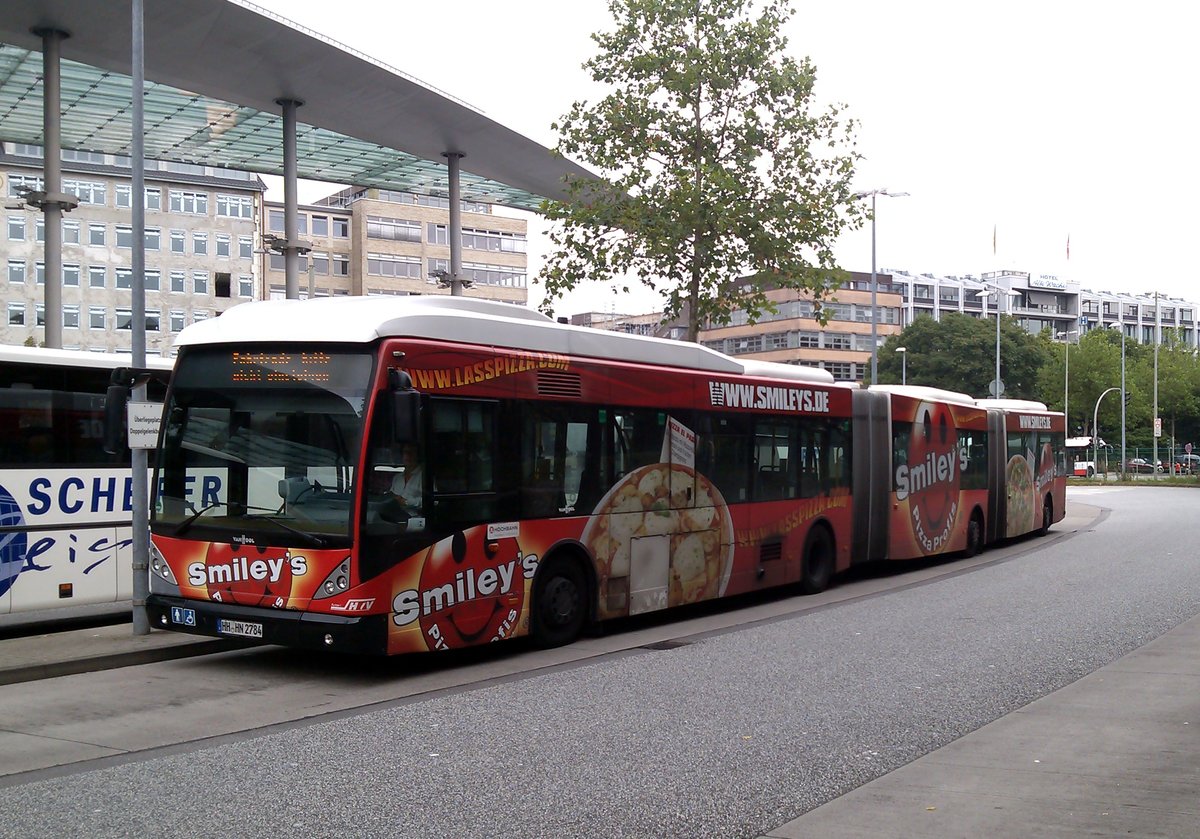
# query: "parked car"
[1139,465]
[1187,464]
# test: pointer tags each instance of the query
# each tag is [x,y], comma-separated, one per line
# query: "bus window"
[554,458]
[724,455]
[774,466]
[839,454]
[462,459]
[637,439]
[972,447]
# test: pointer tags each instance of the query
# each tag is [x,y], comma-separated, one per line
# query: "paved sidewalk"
[1116,753]
[42,656]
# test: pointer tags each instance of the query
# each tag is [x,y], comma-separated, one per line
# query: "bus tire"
[974,535]
[559,608]
[1047,516]
[818,561]
[1091,471]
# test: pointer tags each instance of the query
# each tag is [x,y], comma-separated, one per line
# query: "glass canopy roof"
[185,127]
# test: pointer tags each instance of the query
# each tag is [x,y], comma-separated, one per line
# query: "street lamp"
[998,387]
[1096,435]
[1066,376]
[874,280]
[1121,326]
[903,364]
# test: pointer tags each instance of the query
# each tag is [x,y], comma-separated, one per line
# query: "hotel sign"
[1047,281]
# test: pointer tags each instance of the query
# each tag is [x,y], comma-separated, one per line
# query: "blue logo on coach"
[14,544]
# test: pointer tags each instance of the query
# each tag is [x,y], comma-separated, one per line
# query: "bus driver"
[407,486]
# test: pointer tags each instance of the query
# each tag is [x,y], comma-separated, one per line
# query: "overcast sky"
[1037,120]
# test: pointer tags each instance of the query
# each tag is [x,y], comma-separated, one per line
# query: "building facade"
[794,335]
[1045,302]
[201,234]
[379,242]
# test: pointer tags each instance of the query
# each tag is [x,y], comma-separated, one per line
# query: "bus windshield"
[264,444]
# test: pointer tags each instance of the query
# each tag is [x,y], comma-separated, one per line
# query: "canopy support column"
[457,284]
[50,199]
[290,246]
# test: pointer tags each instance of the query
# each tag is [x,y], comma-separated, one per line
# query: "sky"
[1016,128]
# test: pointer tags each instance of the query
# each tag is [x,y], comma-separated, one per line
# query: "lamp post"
[1155,425]
[874,280]
[903,364]
[1066,376]
[998,387]
[1096,432]
[1121,326]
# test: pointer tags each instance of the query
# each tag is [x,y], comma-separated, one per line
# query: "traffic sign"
[1158,426]
[996,388]
[1188,448]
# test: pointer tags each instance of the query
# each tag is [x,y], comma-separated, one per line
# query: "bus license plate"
[243,628]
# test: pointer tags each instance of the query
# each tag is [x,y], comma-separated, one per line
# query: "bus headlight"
[158,564]
[336,583]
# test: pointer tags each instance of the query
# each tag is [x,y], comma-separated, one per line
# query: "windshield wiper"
[190,520]
[313,538]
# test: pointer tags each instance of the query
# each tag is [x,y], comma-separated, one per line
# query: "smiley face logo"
[471,585]
[933,464]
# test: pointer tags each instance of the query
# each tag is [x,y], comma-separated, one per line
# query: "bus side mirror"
[406,413]
[116,400]
[406,407]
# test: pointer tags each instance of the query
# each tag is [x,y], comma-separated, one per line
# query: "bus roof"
[1013,404]
[364,320]
[923,392]
[76,358]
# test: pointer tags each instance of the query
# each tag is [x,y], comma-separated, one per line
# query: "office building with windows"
[1047,302]
[381,242]
[201,230]
[793,334]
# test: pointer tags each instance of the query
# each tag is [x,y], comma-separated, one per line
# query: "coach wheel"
[1047,516]
[974,535]
[558,607]
[1091,473]
[818,561]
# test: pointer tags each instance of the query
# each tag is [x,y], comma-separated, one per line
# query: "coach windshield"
[261,445]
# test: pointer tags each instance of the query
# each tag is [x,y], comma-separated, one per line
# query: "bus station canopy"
[215,70]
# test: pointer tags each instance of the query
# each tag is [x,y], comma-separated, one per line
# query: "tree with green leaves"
[958,352]
[719,177]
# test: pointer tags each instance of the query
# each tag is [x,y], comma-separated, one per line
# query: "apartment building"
[381,242]
[793,335]
[1042,301]
[201,234]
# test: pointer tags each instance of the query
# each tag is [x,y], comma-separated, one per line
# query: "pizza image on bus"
[1019,480]
[662,536]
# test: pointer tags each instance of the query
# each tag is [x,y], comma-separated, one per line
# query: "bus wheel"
[1091,473]
[818,561]
[558,606]
[974,535]
[1047,516]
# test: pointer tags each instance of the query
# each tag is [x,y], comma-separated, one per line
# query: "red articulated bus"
[409,474]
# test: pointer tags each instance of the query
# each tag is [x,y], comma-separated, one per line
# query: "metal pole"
[452,159]
[1066,384]
[904,368]
[999,389]
[874,307]
[1154,426]
[52,182]
[291,255]
[1123,460]
[1096,431]
[139,460]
